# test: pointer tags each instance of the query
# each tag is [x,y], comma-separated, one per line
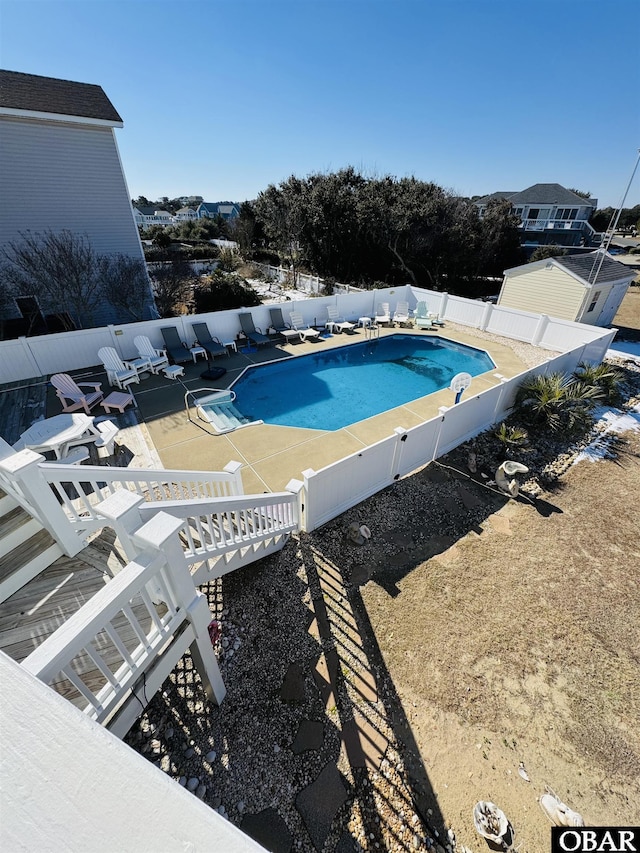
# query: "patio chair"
[251,332]
[118,372]
[176,348]
[383,314]
[435,318]
[401,314]
[422,318]
[157,358]
[337,323]
[71,395]
[277,320]
[305,332]
[212,345]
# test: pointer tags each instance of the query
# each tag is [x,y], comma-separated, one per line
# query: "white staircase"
[26,548]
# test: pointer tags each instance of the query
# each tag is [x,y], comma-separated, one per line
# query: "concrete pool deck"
[273,455]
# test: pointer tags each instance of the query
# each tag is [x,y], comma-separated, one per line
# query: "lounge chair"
[67,389]
[178,350]
[157,358]
[305,332]
[401,314]
[251,332]
[422,318]
[337,323]
[212,345]
[383,314]
[119,373]
[277,320]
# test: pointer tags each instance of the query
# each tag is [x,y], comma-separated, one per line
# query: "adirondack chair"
[118,372]
[157,358]
[71,395]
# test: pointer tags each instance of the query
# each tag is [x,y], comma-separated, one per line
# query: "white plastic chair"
[157,358]
[336,322]
[118,373]
[401,314]
[67,389]
[382,313]
[305,332]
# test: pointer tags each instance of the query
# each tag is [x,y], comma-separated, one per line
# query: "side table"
[196,351]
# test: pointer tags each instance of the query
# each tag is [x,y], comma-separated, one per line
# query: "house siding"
[59,176]
[544,291]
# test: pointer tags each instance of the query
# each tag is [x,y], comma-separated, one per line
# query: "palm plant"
[512,437]
[558,401]
[605,377]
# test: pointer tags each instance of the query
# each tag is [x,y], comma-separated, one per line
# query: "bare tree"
[125,283]
[61,269]
[172,284]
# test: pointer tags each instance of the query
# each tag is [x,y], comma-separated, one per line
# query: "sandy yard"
[475,648]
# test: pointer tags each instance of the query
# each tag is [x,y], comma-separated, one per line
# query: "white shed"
[585,288]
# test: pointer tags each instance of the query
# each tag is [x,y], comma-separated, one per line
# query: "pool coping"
[272,455]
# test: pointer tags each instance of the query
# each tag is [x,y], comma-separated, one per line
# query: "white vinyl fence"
[329,492]
[47,354]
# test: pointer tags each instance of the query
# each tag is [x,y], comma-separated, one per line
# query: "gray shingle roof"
[586,265]
[549,194]
[500,195]
[49,95]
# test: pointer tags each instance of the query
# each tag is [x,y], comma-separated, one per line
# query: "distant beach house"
[146,216]
[549,213]
[225,209]
[584,288]
[60,168]
[185,214]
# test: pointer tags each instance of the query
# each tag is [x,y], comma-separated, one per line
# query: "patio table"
[58,432]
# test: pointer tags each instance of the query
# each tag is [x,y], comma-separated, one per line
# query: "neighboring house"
[185,214]
[549,213]
[585,288]
[225,209]
[60,169]
[145,217]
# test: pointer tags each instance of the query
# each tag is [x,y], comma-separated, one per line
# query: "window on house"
[596,296]
[539,213]
[567,213]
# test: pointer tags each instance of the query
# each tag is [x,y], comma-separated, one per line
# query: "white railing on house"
[115,653]
[327,493]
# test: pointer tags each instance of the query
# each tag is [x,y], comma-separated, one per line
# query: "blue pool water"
[333,388]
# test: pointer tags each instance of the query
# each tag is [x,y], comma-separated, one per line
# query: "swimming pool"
[333,388]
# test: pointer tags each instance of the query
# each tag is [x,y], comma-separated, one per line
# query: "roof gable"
[32,93]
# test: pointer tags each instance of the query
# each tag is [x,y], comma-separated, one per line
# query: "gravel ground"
[321,735]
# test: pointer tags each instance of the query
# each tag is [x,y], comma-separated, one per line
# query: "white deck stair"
[26,549]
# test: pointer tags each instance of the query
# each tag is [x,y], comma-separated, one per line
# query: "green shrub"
[557,401]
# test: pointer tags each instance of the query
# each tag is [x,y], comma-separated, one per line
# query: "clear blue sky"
[221,99]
